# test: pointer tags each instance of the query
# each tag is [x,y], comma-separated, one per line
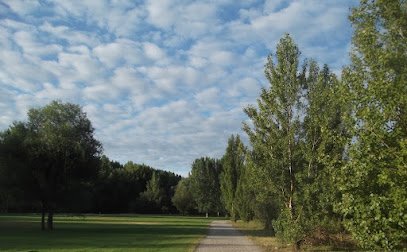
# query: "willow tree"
[374,184]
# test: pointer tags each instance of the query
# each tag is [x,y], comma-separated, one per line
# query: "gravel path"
[223,237]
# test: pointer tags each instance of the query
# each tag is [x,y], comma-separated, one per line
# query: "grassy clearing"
[267,240]
[102,233]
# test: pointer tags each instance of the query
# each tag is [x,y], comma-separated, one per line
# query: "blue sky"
[163,81]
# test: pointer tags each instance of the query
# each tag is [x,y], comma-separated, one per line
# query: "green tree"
[374,181]
[205,184]
[60,153]
[325,140]
[232,163]
[153,194]
[17,186]
[275,136]
[245,194]
[183,199]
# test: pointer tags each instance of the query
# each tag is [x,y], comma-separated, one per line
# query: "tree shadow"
[162,235]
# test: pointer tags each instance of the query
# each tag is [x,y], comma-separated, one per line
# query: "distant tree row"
[327,154]
[52,163]
[133,188]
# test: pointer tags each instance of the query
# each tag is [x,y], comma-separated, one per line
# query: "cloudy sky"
[163,81]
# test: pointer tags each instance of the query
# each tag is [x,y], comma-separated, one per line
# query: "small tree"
[153,195]
[183,199]
[205,184]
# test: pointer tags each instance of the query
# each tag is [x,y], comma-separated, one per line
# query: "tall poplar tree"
[374,184]
[275,136]
[232,163]
[325,141]
[205,186]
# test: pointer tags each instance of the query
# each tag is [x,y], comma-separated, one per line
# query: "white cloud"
[154,52]
[164,82]
[20,72]
[14,25]
[129,78]
[6,102]
[208,99]
[161,13]
[101,92]
[73,37]
[211,53]
[27,42]
[122,51]
[51,92]
[22,7]
[245,87]
[172,79]
[80,65]
[23,102]
[271,6]
[123,21]
[190,19]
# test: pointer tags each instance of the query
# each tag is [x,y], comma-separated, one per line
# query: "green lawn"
[102,233]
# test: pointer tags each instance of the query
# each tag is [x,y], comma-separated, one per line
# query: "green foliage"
[232,163]
[57,153]
[275,137]
[153,195]
[298,139]
[61,147]
[17,186]
[374,181]
[183,199]
[245,194]
[325,141]
[205,185]
[124,188]
[288,230]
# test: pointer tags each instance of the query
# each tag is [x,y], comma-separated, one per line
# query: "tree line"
[326,154]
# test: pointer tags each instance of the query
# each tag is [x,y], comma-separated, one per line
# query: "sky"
[163,81]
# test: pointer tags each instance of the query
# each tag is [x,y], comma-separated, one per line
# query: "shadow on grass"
[163,234]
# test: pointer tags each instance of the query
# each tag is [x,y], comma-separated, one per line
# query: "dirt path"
[223,237]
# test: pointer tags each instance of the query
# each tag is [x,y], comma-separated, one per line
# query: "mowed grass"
[102,233]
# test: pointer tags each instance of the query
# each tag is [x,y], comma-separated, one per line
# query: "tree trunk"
[207,215]
[43,219]
[50,221]
[7,203]
[290,167]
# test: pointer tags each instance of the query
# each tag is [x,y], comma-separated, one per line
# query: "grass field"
[102,233]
